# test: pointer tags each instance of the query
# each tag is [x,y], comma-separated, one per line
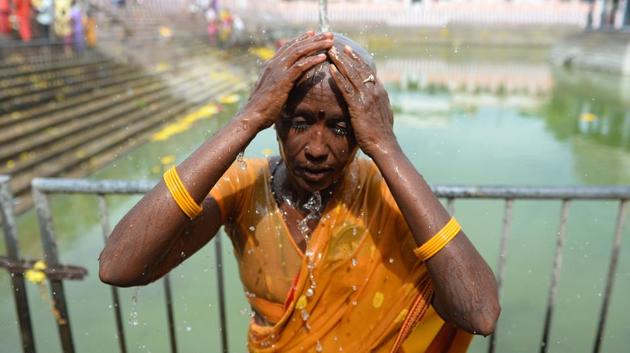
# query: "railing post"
[17,279]
[52,259]
[105,226]
[610,279]
[555,274]
[169,312]
[505,236]
[220,288]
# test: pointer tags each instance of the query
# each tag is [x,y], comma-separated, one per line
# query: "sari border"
[416,313]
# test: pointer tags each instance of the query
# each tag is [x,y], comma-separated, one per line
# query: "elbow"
[110,274]
[484,321]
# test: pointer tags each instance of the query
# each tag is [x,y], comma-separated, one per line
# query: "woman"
[334,252]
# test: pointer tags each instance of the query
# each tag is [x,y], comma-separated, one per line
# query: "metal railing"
[43,188]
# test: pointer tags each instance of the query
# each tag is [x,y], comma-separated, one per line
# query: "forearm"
[145,235]
[465,288]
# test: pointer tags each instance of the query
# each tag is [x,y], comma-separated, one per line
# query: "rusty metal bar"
[169,313]
[505,236]
[52,272]
[83,186]
[555,276]
[17,279]
[221,291]
[610,279]
[52,258]
[533,192]
[105,226]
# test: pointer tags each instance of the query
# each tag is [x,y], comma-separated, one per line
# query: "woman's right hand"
[280,74]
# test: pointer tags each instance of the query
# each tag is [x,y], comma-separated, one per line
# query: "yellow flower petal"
[40,265]
[267,152]
[168,159]
[263,53]
[229,99]
[34,276]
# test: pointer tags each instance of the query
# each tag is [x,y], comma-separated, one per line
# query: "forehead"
[315,93]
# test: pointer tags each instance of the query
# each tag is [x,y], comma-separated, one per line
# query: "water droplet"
[241,161]
[309,292]
[391,260]
[252,228]
[318,347]
[304,314]
[188,328]
[355,288]
[355,262]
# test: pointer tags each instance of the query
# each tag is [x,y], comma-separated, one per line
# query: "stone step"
[58,81]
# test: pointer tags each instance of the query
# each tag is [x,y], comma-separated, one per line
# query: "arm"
[156,235]
[465,287]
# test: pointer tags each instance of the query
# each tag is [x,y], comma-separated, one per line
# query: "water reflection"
[587,110]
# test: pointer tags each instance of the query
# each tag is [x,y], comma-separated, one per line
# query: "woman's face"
[315,136]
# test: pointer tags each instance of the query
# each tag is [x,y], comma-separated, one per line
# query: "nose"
[316,148]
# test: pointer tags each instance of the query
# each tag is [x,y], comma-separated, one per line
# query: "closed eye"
[299,124]
[340,127]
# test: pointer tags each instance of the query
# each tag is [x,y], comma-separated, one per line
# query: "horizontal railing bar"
[532,192]
[83,186]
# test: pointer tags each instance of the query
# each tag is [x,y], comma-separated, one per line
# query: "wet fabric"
[357,288]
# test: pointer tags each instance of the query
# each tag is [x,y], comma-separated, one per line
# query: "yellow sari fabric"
[371,295]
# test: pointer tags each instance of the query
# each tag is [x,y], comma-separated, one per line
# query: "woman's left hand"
[371,115]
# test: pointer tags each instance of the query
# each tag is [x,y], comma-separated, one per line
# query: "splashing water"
[241,161]
[318,347]
[133,316]
[314,208]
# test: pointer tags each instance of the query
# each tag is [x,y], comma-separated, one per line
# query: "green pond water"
[501,118]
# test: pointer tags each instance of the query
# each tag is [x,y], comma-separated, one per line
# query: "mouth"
[314,174]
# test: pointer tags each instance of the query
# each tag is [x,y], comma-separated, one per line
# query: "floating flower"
[229,99]
[36,274]
[168,159]
[588,117]
[263,53]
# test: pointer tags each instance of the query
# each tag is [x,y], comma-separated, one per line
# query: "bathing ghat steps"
[74,113]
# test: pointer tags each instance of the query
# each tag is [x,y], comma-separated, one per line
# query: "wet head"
[314,133]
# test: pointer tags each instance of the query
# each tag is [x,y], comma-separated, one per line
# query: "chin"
[313,187]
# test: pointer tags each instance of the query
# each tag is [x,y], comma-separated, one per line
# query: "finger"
[364,70]
[308,49]
[305,64]
[341,62]
[347,89]
[299,38]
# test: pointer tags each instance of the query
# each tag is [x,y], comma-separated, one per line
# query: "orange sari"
[357,288]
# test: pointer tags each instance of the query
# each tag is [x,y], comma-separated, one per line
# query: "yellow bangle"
[438,241]
[181,196]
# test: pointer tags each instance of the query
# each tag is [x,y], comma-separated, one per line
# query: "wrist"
[248,122]
[384,150]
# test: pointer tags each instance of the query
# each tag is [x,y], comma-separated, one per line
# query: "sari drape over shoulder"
[371,293]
